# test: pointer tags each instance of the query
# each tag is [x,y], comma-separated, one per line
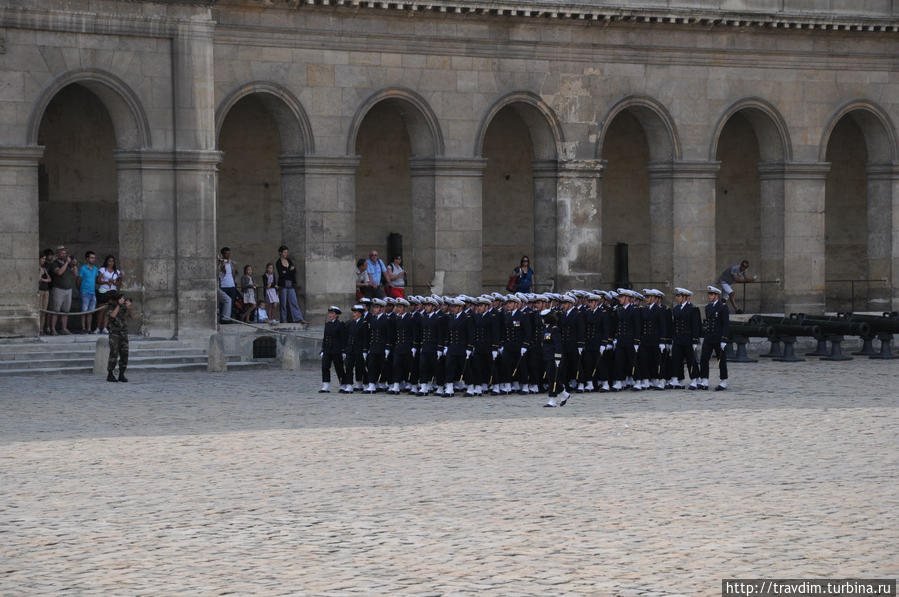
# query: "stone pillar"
[804,240]
[19,305]
[693,223]
[147,237]
[330,232]
[578,226]
[195,168]
[771,239]
[420,256]
[546,181]
[293,211]
[458,228]
[661,226]
[882,179]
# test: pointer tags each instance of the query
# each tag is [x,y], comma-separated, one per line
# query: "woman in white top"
[396,278]
[109,278]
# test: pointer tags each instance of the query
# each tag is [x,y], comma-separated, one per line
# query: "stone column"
[661,226]
[147,237]
[19,305]
[693,223]
[804,240]
[546,182]
[578,226]
[882,180]
[420,256]
[293,209]
[771,239]
[458,229]
[196,161]
[330,232]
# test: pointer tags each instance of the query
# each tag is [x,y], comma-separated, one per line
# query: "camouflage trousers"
[118,351]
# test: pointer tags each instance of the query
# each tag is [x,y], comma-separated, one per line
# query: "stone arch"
[424,129]
[293,124]
[544,126]
[657,123]
[132,129]
[769,126]
[876,126]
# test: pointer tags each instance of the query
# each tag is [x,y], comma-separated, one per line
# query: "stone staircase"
[75,354]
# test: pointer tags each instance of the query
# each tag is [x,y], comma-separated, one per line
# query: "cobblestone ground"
[252,483]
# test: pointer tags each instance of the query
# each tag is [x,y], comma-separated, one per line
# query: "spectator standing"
[287,281]
[396,278]
[43,286]
[88,274]
[63,277]
[248,290]
[524,275]
[109,279]
[365,288]
[732,274]
[376,271]
[227,281]
[269,283]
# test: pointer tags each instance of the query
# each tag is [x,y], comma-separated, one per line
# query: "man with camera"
[119,313]
[63,274]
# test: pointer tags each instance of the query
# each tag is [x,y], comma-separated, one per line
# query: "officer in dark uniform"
[429,341]
[685,339]
[459,344]
[485,346]
[651,327]
[625,339]
[571,324]
[593,337]
[442,315]
[516,340]
[415,311]
[667,331]
[379,326]
[401,346]
[551,350]
[605,370]
[358,339]
[333,347]
[717,331]
[537,303]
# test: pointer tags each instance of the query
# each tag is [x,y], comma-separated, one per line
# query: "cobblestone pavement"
[252,483]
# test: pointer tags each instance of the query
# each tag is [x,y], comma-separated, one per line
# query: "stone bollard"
[216,360]
[290,353]
[101,355]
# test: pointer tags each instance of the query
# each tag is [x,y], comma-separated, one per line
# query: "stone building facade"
[699,132]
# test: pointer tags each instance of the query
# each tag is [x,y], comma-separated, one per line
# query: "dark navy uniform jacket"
[459,334]
[358,336]
[651,325]
[334,338]
[486,333]
[627,326]
[594,329]
[551,342]
[516,329]
[717,322]
[687,324]
[430,332]
[380,333]
[573,330]
[403,333]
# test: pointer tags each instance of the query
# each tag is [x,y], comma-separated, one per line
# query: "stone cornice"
[74,21]
[447,166]
[20,155]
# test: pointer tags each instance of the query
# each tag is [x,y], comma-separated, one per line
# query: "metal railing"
[852,282]
[743,297]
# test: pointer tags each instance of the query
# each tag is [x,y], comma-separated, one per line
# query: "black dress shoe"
[704,388]
[111,377]
[564,402]
[720,388]
[122,378]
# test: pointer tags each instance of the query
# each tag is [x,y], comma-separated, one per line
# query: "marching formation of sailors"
[579,341]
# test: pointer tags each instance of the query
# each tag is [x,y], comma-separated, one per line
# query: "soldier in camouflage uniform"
[119,314]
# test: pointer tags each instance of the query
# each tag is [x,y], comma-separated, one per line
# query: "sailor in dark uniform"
[551,350]
[379,326]
[485,347]
[403,336]
[717,330]
[687,328]
[625,339]
[536,372]
[358,339]
[459,344]
[594,333]
[333,346]
[571,324]
[665,333]
[429,342]
[651,347]
[515,343]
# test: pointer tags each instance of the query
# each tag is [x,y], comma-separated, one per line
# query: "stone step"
[233,365]
[134,360]
[56,354]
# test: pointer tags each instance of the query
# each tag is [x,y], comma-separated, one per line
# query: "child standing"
[271,290]
[248,289]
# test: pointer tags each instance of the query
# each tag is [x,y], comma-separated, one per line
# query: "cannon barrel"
[795,329]
[751,331]
[840,327]
[887,315]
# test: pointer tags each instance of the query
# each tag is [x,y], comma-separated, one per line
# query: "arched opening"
[858,210]
[77,186]
[508,204]
[625,204]
[737,202]
[249,210]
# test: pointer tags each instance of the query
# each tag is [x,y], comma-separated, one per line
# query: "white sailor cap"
[414,300]
[612,294]
[484,300]
[357,308]
[713,290]
[682,291]
[568,298]
[545,312]
[365,300]
[379,302]
[637,295]
[335,309]
[658,292]
[593,297]
[624,291]
[497,296]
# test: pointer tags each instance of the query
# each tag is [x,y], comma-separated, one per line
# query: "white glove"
[343,356]
[467,353]
[580,350]
[602,349]
[723,345]
[695,346]
[322,354]
[445,349]
[439,354]
[494,353]
[386,353]
[500,350]
[661,348]
[414,351]
[558,362]
[365,355]
[615,343]
[523,350]
[668,346]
